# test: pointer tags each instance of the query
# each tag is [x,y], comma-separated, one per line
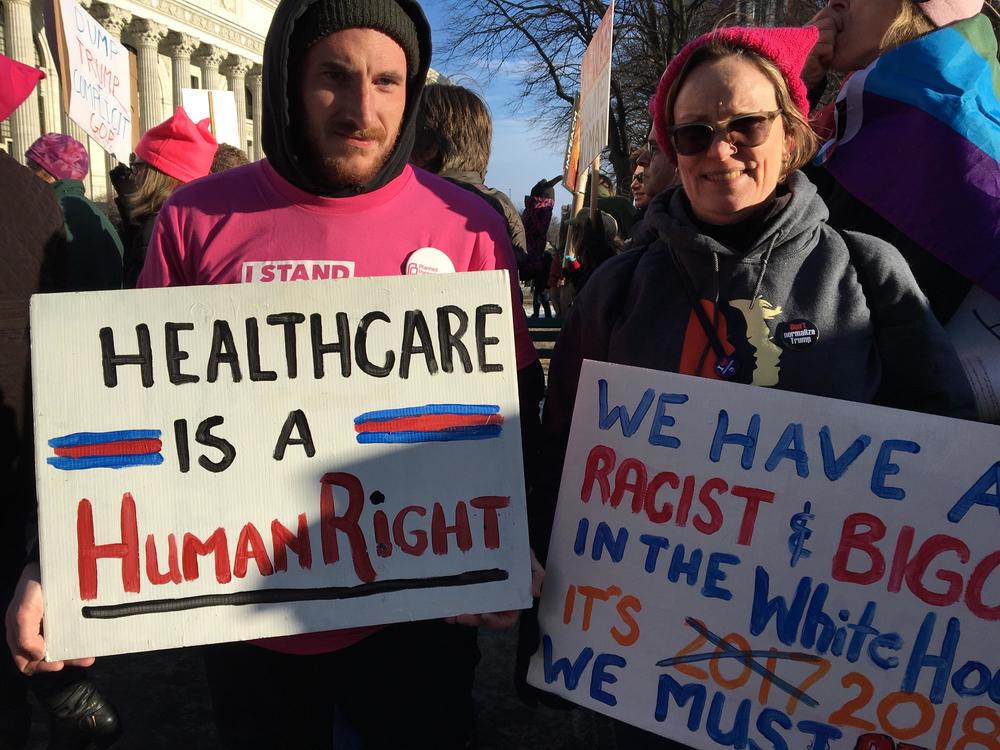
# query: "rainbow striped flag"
[106,450]
[918,140]
[430,423]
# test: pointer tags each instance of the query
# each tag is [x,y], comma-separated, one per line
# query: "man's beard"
[338,170]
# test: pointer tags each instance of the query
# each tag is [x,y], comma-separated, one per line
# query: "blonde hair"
[156,187]
[805,142]
[909,24]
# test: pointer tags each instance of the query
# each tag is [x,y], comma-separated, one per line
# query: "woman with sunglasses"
[740,253]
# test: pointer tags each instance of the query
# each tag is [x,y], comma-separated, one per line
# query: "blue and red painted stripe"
[106,450]
[430,423]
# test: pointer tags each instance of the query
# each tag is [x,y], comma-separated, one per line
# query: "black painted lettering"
[181,442]
[288,321]
[110,361]
[176,355]
[450,341]
[253,354]
[414,324]
[297,421]
[205,437]
[223,352]
[361,347]
[482,340]
[341,346]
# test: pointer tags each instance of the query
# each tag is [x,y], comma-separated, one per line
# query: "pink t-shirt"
[250,225]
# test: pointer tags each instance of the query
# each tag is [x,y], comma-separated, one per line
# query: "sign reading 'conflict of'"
[235,462]
[738,567]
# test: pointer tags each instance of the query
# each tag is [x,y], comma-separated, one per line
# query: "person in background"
[921,170]
[454,135]
[33,246]
[618,206]
[537,217]
[738,249]
[227,157]
[169,155]
[640,200]
[93,247]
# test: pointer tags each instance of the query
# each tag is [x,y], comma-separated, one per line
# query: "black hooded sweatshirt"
[282,140]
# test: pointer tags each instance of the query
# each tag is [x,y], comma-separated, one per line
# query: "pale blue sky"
[519,158]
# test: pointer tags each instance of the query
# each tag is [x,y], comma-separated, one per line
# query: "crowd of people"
[748,203]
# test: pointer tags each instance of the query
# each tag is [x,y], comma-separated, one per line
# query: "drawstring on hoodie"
[763,268]
[726,365]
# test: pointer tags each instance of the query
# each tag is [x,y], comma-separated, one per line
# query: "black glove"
[78,712]
[544,188]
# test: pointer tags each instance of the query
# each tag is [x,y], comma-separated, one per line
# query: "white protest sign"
[975,332]
[219,107]
[232,462]
[595,92]
[742,567]
[97,66]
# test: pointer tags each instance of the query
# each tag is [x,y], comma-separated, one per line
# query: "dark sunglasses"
[692,138]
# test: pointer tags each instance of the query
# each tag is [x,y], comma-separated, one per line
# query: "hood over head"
[292,30]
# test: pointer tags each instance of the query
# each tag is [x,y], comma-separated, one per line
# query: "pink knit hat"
[944,12]
[786,47]
[17,81]
[62,157]
[178,147]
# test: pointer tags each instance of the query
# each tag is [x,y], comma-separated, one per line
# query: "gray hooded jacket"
[876,340]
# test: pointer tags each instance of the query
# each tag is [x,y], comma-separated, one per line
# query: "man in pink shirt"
[335,198]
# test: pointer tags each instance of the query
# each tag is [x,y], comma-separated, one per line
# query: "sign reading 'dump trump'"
[740,567]
[234,462]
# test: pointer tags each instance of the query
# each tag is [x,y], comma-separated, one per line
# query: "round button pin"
[428,260]
[797,334]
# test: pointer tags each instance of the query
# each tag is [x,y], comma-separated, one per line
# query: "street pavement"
[164,705]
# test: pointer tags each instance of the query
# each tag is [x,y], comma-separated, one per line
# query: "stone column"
[25,125]
[180,46]
[256,80]
[236,69]
[145,36]
[208,58]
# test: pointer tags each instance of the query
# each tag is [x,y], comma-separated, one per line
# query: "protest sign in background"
[232,462]
[747,568]
[219,107]
[97,82]
[595,92]
[975,332]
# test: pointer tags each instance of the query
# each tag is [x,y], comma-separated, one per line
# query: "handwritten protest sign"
[595,91]
[95,70]
[233,462]
[219,107]
[975,332]
[746,568]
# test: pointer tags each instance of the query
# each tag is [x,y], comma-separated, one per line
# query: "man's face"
[353,87]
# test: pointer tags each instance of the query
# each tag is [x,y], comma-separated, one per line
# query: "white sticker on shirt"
[269,271]
[428,260]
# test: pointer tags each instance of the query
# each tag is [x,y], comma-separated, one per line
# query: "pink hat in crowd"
[62,157]
[944,12]
[17,81]
[179,147]
[786,47]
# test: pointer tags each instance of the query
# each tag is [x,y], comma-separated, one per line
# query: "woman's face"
[727,183]
[861,25]
[638,194]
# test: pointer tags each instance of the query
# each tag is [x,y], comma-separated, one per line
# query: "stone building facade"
[207,44]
